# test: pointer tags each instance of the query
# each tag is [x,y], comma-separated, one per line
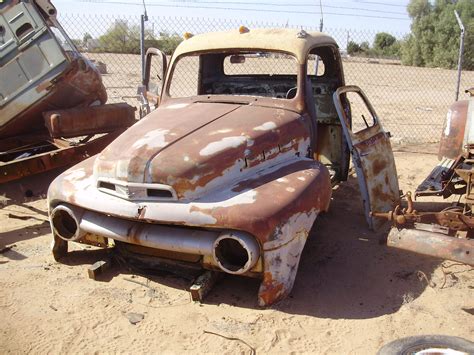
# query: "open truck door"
[152,86]
[371,151]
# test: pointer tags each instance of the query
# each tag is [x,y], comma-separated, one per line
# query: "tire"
[439,343]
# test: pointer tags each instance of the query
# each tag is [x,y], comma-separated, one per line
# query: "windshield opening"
[250,73]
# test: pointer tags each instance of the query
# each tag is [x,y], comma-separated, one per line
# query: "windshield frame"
[226,97]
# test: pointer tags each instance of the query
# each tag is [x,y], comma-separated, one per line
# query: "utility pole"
[461,50]
[320,30]
[143,19]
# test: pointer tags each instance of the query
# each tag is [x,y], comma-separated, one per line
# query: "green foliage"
[418,8]
[385,45]
[122,38]
[353,48]
[166,42]
[383,40]
[365,47]
[435,34]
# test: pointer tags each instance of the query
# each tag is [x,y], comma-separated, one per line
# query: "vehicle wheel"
[428,344]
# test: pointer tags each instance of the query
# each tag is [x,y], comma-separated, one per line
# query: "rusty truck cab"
[298,71]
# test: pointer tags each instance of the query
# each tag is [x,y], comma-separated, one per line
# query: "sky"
[357,20]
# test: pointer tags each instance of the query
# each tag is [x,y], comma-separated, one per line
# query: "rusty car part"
[90,120]
[43,74]
[203,285]
[60,153]
[229,177]
[432,244]
[372,157]
[452,137]
[234,252]
[452,218]
[440,181]
[448,233]
[41,69]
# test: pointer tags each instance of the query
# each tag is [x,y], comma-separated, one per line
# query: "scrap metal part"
[64,154]
[43,74]
[89,120]
[433,244]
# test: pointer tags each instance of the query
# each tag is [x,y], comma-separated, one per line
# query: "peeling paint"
[152,139]
[224,143]
[267,126]
[239,164]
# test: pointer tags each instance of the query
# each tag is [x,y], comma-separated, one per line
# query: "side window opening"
[361,116]
[315,66]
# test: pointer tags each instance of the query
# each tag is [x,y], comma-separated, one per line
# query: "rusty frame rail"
[433,244]
[63,156]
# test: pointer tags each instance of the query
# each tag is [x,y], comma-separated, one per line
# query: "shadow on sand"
[346,271]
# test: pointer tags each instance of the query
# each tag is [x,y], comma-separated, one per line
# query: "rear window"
[249,73]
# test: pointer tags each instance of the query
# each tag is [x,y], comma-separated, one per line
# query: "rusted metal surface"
[373,159]
[89,120]
[452,136]
[233,172]
[452,218]
[203,285]
[46,75]
[433,244]
[56,158]
[80,85]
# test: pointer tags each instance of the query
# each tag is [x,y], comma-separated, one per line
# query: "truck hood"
[196,146]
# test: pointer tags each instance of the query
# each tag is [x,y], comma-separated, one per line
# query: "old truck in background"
[53,108]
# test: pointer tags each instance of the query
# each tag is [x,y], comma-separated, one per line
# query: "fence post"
[143,18]
[461,50]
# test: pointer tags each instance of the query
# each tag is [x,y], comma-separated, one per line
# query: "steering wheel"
[291,93]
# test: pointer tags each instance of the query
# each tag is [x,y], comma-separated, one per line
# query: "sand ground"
[352,293]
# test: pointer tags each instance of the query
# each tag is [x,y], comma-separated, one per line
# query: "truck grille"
[137,191]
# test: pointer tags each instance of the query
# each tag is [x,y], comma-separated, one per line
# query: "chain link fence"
[411,101]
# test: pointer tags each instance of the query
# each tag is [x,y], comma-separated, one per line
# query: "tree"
[434,37]
[353,48]
[365,47]
[168,42]
[384,40]
[122,38]
[386,45]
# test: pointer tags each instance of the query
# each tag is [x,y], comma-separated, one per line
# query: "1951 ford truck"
[252,130]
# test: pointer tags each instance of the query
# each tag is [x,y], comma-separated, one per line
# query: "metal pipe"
[461,51]
[238,256]
[433,244]
[143,18]
[65,220]
[80,222]
[192,241]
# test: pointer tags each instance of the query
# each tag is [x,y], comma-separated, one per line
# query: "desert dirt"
[352,294]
